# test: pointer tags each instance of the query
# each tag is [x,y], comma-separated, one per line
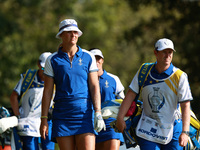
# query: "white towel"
[8,122]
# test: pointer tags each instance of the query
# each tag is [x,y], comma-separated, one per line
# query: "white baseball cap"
[68,25]
[97,52]
[164,43]
[43,58]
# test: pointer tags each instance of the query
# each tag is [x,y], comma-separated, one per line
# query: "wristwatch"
[186,132]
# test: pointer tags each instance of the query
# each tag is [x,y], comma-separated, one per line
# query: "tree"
[124,30]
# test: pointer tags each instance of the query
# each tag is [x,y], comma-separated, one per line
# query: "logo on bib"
[156,101]
[153,130]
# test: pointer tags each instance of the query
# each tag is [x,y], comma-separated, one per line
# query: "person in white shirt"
[165,89]
[28,92]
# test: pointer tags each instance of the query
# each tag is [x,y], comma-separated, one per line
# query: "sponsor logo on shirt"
[80,62]
[106,84]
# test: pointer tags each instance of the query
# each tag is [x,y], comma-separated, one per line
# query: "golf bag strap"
[27,81]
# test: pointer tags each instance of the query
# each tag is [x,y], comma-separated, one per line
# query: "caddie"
[165,89]
[26,104]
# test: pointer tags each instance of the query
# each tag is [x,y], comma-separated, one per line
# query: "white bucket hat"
[43,58]
[68,25]
[97,52]
[164,43]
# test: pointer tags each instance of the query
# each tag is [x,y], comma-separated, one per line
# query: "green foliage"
[125,31]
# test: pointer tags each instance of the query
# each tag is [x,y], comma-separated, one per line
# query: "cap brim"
[69,29]
[166,48]
[97,52]
[42,64]
[99,55]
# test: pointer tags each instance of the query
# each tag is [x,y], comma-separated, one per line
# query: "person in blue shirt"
[110,86]
[166,87]
[73,70]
